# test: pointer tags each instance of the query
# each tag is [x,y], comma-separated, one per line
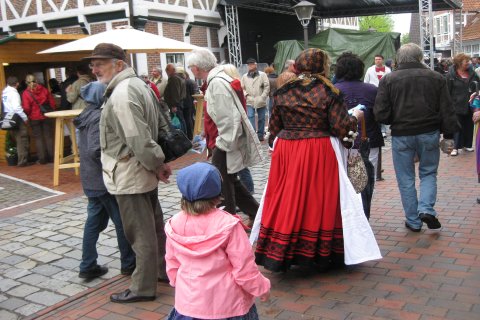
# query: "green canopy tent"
[365,44]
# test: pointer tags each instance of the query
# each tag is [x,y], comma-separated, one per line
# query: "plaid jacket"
[312,111]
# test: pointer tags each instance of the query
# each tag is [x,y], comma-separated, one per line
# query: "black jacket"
[415,100]
[459,90]
[175,92]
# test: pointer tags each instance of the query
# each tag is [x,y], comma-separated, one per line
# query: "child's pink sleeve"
[172,263]
[245,271]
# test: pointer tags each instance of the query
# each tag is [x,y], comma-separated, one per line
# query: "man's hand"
[164,172]
[447,145]
[358,114]
[69,88]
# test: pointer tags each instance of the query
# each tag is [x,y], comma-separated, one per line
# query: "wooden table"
[62,118]
[198,126]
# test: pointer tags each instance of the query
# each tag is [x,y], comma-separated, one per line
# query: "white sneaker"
[469,149]
[454,152]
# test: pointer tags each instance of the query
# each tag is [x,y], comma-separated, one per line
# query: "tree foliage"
[382,23]
[405,38]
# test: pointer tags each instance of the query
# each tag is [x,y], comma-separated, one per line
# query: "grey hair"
[409,52]
[203,59]
[288,63]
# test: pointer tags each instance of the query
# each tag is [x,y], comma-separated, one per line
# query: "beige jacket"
[74,95]
[128,129]
[256,89]
[235,133]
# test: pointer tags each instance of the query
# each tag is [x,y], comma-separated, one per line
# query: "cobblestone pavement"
[14,192]
[40,250]
[426,275]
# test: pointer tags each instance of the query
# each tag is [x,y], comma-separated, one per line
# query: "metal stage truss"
[233,35]
[347,8]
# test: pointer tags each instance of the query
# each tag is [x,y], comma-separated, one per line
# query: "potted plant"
[11,150]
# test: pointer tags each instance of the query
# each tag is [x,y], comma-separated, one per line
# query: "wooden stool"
[62,118]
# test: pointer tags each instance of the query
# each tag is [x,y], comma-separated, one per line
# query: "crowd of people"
[310,216]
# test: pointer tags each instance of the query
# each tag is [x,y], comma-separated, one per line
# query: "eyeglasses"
[97,65]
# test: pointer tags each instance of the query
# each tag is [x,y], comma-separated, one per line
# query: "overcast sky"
[402,22]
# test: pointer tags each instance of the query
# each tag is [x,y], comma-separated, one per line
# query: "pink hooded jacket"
[211,265]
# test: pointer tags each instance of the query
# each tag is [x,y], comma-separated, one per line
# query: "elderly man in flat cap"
[133,164]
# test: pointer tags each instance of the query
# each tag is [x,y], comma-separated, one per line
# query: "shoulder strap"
[33,97]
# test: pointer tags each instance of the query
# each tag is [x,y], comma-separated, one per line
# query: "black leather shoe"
[127,297]
[127,271]
[431,221]
[95,272]
[412,228]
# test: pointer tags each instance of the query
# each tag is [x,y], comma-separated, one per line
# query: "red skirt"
[301,219]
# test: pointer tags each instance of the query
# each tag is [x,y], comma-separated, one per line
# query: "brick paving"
[426,275]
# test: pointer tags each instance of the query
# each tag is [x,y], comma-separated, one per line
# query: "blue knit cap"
[200,181]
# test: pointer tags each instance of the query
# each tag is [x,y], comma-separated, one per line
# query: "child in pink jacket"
[209,258]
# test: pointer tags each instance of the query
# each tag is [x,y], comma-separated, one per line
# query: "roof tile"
[472,30]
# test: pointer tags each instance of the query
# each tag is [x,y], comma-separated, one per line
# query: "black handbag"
[11,121]
[174,142]
[44,108]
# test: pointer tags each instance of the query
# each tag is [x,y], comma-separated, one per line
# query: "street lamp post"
[304,10]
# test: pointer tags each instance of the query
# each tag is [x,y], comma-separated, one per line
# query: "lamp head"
[304,10]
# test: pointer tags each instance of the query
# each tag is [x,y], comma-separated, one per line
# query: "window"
[475,48]
[437,23]
[177,59]
[445,24]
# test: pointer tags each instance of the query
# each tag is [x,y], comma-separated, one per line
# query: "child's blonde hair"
[198,207]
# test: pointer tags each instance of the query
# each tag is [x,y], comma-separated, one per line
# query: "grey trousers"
[21,138]
[43,134]
[142,219]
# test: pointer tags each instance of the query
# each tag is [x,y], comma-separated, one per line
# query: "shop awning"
[23,48]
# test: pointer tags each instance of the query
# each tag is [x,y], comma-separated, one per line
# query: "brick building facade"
[193,21]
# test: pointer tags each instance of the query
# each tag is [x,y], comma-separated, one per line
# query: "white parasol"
[129,39]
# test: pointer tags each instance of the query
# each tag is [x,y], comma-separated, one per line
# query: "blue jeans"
[99,209]
[246,178]
[404,148]
[261,120]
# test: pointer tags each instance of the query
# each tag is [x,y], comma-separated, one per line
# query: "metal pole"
[305,37]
